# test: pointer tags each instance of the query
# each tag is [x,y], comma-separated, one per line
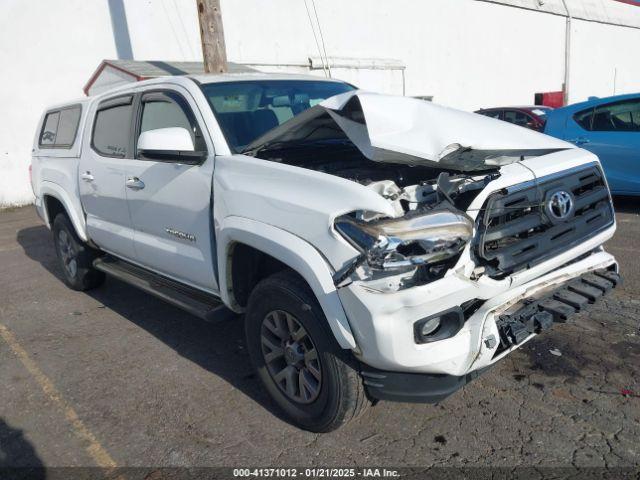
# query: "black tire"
[75,257]
[339,394]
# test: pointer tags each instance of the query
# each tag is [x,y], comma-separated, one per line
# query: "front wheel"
[296,357]
[75,257]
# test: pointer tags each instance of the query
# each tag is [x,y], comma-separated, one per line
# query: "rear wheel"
[75,257]
[297,358]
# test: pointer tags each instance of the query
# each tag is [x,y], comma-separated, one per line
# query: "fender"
[73,208]
[294,252]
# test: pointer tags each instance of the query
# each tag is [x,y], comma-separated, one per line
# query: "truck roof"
[240,77]
[214,78]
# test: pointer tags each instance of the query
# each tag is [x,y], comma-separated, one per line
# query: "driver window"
[167,110]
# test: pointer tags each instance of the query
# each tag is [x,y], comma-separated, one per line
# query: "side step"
[196,302]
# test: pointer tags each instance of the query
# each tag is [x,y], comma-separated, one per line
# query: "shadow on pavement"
[626,204]
[219,347]
[18,457]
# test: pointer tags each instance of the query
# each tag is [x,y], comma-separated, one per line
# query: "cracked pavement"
[157,387]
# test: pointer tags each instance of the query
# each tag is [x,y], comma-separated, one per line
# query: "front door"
[169,201]
[103,166]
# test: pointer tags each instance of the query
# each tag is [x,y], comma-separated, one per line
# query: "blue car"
[608,127]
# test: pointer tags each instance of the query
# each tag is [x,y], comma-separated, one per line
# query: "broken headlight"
[401,244]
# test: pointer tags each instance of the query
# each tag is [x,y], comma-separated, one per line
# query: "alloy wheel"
[291,357]
[67,253]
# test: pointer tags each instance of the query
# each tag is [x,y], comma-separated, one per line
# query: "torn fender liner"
[396,129]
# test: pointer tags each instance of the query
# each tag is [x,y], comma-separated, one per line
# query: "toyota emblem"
[560,205]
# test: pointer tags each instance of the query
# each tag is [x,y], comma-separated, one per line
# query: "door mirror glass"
[173,144]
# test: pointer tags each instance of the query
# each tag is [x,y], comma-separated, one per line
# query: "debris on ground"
[556,352]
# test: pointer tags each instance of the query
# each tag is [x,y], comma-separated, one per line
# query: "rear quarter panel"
[556,124]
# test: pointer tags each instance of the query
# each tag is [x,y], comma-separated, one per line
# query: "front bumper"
[516,325]
[413,387]
[382,323]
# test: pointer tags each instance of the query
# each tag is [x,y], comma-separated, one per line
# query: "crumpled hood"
[396,129]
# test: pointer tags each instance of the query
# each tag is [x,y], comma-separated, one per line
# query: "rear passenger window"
[112,127]
[60,128]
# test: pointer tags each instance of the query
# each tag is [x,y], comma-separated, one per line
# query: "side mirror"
[169,145]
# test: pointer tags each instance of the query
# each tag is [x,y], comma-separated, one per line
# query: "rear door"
[170,201]
[108,149]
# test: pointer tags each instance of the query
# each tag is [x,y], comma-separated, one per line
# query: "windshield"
[245,110]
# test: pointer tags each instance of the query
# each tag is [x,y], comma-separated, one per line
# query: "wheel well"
[246,267]
[53,207]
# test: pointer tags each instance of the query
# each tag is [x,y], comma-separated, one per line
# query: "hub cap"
[67,253]
[291,357]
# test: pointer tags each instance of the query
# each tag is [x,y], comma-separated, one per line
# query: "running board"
[201,304]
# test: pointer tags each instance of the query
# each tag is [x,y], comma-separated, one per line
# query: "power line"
[321,36]
[315,37]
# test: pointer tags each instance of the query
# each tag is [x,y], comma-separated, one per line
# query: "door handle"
[86,176]
[134,183]
[580,141]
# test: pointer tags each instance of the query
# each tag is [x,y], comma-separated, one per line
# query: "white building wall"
[50,48]
[603,60]
[466,53]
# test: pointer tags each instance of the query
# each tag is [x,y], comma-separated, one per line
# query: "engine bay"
[429,229]
[410,187]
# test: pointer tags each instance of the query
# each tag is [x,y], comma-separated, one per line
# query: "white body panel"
[297,200]
[288,213]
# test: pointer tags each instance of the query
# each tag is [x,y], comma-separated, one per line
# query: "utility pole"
[214,53]
[567,53]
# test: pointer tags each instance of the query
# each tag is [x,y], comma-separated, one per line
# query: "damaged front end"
[411,249]
[430,162]
[421,243]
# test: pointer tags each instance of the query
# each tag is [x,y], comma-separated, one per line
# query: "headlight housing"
[421,237]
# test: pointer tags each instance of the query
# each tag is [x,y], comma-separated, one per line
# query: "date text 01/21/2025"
[316,472]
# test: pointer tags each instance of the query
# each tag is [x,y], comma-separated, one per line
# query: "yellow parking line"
[94,449]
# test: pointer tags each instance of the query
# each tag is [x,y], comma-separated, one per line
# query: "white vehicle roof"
[214,78]
[241,77]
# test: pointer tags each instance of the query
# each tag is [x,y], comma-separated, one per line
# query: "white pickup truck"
[380,247]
